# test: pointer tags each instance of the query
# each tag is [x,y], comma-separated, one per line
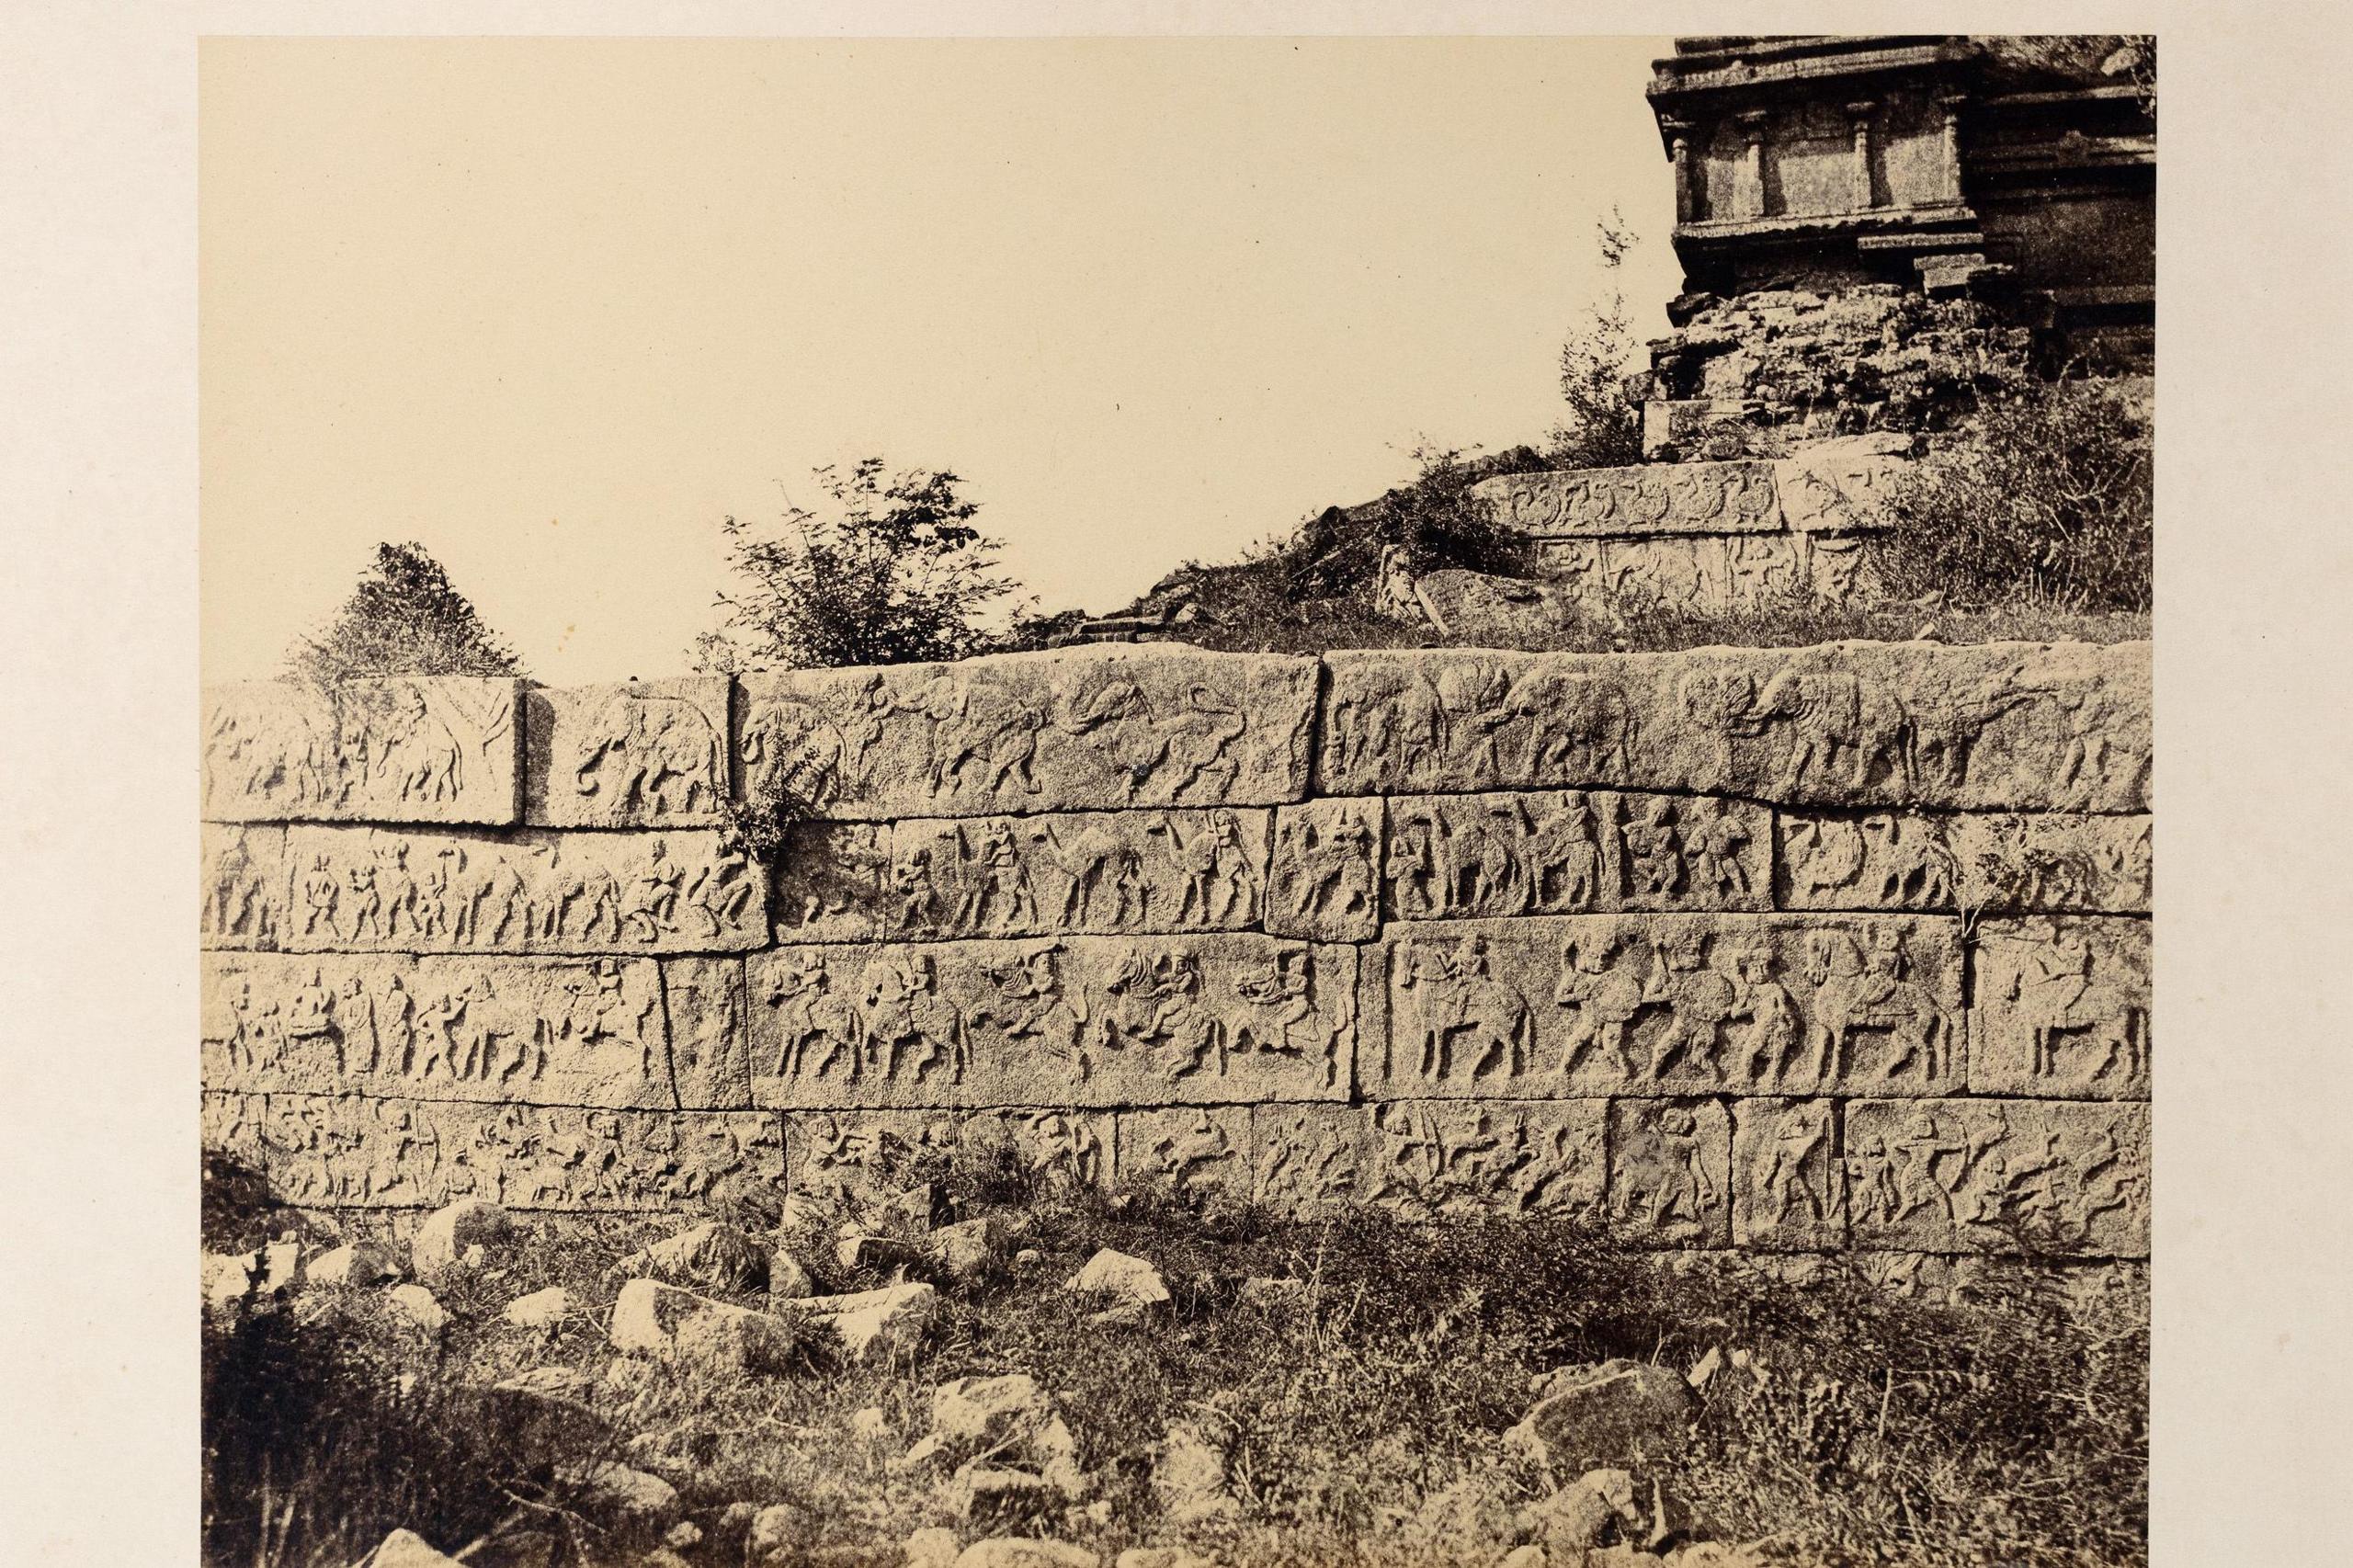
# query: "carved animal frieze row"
[1996,862]
[2017,1178]
[447,749]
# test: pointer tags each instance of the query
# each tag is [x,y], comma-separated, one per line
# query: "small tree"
[404,619]
[1604,426]
[891,572]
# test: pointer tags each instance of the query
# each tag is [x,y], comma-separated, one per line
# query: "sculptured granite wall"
[1789,950]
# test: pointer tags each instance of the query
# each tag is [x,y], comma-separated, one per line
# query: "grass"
[1364,1426]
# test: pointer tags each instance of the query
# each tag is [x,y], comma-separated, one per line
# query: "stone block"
[1437,1159]
[1841,485]
[2026,1176]
[551,1031]
[1084,1021]
[1521,852]
[1326,882]
[1763,569]
[1670,1171]
[2060,1008]
[2011,726]
[632,754]
[334,889]
[711,1061]
[827,881]
[1077,872]
[1668,1004]
[1102,727]
[350,1150]
[1647,498]
[1996,862]
[1195,1152]
[436,749]
[1789,1187]
[855,1161]
[1485,606]
[1685,573]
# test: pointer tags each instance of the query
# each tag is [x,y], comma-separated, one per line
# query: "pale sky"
[555,308]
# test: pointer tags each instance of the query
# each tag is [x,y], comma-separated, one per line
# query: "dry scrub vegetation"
[1359,1419]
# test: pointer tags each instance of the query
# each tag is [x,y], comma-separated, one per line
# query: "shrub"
[404,619]
[2044,502]
[1604,426]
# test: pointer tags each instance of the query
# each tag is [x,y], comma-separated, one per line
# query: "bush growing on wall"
[404,619]
[2045,502]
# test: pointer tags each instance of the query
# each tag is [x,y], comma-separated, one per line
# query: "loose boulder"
[416,1304]
[1575,1518]
[873,1326]
[1592,1417]
[931,1547]
[709,1257]
[1016,1551]
[542,1310]
[454,1228]
[789,1279]
[405,1549]
[627,1498]
[967,1251]
[671,1325]
[354,1263]
[1120,1281]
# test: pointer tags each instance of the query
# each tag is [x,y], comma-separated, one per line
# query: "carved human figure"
[1654,848]
[1680,1188]
[1414,876]
[1786,1174]
[1220,882]
[1192,1160]
[1697,1001]
[1564,860]
[901,1007]
[912,885]
[801,990]
[320,894]
[1330,873]
[1065,1146]
[2057,995]
[1862,985]
[1771,1027]
[791,746]
[651,912]
[1714,844]
[1282,990]
[1603,995]
[720,891]
[1031,1004]
[1157,1003]
[997,892]
[1475,704]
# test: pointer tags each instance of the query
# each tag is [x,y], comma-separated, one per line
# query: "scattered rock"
[1589,1417]
[354,1263]
[789,1279]
[625,1495]
[1016,1551]
[931,1547]
[1706,1368]
[1162,1557]
[559,1382]
[773,1530]
[452,1229]
[683,1536]
[402,1548]
[855,1249]
[1575,1518]
[870,1424]
[1010,1416]
[965,1252]
[922,1206]
[677,1326]
[416,1303]
[709,1257]
[541,1309]
[1126,1281]
[1027,1258]
[874,1326]
[1190,1477]
[228,1276]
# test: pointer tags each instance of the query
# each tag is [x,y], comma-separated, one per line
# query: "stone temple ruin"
[1840,949]
[1870,228]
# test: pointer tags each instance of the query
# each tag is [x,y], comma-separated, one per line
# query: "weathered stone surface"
[620,1493]
[1015,1552]
[1432,1159]
[418,1307]
[2002,726]
[1064,873]
[1669,1003]
[1615,1411]
[548,1309]
[1788,1189]
[1076,729]
[2062,1008]
[439,749]
[1325,880]
[1995,862]
[671,1325]
[1451,857]
[320,889]
[1194,1151]
[1697,498]
[405,1549]
[356,1263]
[875,1327]
[2048,1176]
[1841,485]
[633,754]
[350,1150]
[1086,1021]
[1670,1175]
[709,1257]
[827,882]
[549,1031]
[450,1234]
[1485,606]
[705,1004]
[1120,1278]
[855,1161]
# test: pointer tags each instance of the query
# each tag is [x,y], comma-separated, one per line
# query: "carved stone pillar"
[1752,163]
[1679,141]
[1950,106]
[1858,117]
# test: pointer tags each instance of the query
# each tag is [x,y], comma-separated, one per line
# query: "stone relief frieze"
[2062,1008]
[1653,498]
[1673,1004]
[1569,852]
[1070,730]
[1994,861]
[2004,726]
[1326,882]
[587,1031]
[633,753]
[1670,1170]
[1077,872]
[322,888]
[1788,1189]
[445,749]
[1195,1153]
[1085,1021]
[852,1160]
[1998,1176]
